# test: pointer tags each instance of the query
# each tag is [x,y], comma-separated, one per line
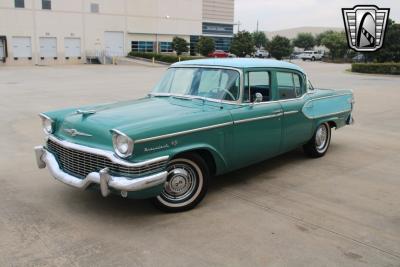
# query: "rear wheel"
[313,59]
[186,184]
[319,143]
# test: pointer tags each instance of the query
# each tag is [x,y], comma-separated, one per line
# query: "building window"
[20,3]
[46,4]
[166,47]
[142,46]
[94,8]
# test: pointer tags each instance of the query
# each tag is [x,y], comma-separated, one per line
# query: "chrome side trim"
[329,114]
[291,112]
[110,155]
[258,118]
[325,97]
[103,178]
[183,132]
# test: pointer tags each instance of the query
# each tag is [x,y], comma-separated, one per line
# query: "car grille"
[79,163]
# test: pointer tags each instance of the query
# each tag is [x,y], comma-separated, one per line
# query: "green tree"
[336,43]
[280,47]
[320,36]
[259,39]
[242,44]
[179,45]
[304,40]
[205,46]
[391,46]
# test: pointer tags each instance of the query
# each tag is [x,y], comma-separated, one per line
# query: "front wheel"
[319,143]
[186,184]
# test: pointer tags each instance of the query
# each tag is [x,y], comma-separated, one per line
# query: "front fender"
[220,161]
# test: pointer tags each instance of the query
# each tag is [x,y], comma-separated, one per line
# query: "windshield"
[219,84]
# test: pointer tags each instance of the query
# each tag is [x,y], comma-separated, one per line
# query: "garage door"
[114,43]
[21,46]
[72,47]
[2,49]
[48,46]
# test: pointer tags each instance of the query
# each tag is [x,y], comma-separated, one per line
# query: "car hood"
[142,118]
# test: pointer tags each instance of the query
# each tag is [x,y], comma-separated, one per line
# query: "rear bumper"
[103,178]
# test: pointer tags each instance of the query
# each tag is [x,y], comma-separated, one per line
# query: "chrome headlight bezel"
[123,144]
[47,124]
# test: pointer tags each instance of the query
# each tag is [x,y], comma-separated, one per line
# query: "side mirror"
[259,98]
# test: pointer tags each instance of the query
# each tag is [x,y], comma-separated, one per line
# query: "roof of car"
[240,63]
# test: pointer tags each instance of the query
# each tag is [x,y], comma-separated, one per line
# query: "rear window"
[289,85]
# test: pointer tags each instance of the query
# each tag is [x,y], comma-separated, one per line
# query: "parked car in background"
[261,53]
[200,121]
[311,55]
[219,54]
[295,55]
[359,58]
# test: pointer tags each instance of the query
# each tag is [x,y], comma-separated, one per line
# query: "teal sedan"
[204,118]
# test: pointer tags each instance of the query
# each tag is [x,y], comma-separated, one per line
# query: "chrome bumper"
[103,178]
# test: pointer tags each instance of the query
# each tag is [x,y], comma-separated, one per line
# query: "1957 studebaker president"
[204,118]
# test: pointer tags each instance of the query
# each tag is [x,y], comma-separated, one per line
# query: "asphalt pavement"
[339,210]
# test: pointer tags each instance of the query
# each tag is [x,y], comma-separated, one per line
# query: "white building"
[68,31]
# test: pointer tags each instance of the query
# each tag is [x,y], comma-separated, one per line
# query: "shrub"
[180,45]
[379,68]
[161,57]
[206,45]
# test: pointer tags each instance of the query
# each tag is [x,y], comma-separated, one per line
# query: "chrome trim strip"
[44,116]
[108,154]
[290,112]
[183,132]
[329,114]
[103,177]
[329,96]
[258,118]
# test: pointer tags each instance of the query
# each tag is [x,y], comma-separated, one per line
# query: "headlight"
[47,124]
[123,144]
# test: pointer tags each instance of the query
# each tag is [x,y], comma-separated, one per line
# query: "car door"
[292,95]
[257,126]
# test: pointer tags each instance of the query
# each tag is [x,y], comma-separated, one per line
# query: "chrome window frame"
[246,75]
[303,85]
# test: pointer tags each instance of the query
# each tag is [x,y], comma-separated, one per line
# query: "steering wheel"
[218,89]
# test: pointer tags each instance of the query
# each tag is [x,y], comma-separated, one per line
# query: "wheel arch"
[214,160]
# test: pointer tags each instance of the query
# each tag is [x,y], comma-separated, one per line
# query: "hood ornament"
[75,132]
[85,112]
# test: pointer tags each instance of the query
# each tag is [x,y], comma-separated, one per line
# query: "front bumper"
[103,178]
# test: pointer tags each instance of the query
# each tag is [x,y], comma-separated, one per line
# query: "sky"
[283,14]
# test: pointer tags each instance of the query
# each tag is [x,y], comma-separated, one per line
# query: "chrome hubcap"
[181,182]
[321,137]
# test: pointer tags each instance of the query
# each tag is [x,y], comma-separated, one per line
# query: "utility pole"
[257,26]
[238,26]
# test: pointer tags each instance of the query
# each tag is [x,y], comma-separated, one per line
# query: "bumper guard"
[103,178]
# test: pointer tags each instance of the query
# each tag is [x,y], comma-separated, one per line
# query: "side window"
[257,82]
[289,85]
